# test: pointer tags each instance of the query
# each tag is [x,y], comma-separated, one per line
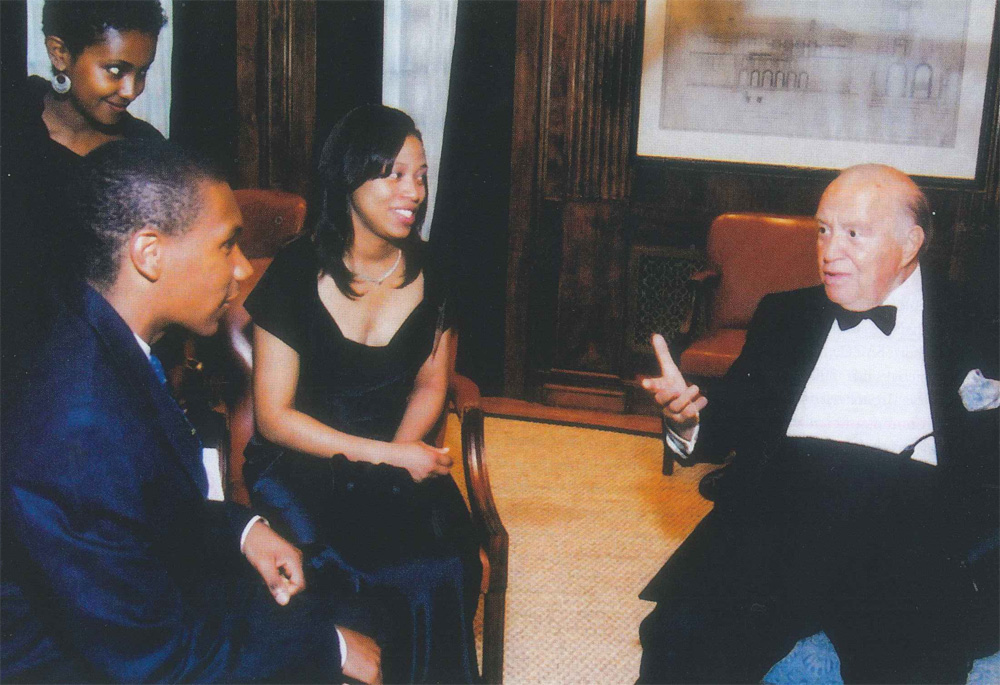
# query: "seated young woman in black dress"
[352,348]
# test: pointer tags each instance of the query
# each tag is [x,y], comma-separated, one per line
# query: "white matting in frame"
[814,84]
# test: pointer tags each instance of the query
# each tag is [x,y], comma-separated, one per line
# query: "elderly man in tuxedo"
[117,563]
[860,480]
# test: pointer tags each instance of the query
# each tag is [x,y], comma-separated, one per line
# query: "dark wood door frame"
[276,90]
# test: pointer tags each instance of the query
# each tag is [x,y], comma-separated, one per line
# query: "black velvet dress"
[369,529]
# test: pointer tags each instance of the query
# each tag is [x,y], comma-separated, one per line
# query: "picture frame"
[807,86]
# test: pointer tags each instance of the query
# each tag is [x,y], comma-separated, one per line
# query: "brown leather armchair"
[463,398]
[750,255]
[270,219]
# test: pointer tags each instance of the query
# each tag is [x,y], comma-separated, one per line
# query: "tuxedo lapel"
[136,370]
[942,364]
[808,330]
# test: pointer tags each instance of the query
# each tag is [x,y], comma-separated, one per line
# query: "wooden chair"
[750,255]
[463,398]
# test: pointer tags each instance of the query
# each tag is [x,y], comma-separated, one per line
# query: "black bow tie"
[883,316]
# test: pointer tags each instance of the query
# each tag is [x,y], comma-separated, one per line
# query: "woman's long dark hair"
[361,147]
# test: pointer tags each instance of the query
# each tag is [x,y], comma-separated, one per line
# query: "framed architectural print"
[819,84]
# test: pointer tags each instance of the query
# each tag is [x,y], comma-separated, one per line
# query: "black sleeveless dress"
[365,528]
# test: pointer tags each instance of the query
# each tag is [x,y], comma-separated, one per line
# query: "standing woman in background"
[353,346]
[100,52]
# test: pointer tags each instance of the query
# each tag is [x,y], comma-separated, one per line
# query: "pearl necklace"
[381,279]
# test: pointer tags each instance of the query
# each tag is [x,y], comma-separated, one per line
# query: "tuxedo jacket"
[786,335]
[748,417]
[115,566]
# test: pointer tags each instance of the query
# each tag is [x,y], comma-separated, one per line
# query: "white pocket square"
[978,392]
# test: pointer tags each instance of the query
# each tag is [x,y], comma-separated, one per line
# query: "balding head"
[871,233]
[894,187]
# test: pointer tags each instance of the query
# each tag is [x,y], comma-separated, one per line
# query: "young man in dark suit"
[862,478]
[117,566]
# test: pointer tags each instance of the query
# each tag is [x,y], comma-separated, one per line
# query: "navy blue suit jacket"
[115,567]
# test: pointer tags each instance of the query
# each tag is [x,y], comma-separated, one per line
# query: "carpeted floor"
[591,519]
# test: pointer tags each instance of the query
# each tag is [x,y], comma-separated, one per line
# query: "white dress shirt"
[867,388]
[209,455]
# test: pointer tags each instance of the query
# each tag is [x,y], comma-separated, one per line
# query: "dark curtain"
[13,47]
[203,111]
[348,65]
[471,214]
[13,72]
[348,60]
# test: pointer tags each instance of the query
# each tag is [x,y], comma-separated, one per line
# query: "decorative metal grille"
[659,296]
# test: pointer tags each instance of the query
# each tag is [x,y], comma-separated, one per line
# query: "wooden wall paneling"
[591,292]
[532,42]
[544,251]
[591,301]
[252,119]
[558,94]
[576,93]
[276,82]
[277,78]
[602,107]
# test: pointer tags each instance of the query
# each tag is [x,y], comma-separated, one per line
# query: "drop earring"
[61,83]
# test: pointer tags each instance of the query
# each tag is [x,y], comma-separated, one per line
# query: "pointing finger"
[667,366]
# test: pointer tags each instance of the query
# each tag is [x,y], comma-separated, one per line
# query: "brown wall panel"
[575,100]
[590,287]
[276,87]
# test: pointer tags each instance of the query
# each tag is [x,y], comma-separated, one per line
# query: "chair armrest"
[705,277]
[701,284]
[493,536]
[464,394]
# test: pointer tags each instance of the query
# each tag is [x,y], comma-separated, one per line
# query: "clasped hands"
[681,402]
[421,460]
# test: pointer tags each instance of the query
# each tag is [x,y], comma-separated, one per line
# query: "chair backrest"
[270,219]
[757,254]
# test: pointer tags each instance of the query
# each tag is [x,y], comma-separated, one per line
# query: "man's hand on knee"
[364,658]
[277,561]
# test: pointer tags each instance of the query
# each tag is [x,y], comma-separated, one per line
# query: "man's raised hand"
[681,402]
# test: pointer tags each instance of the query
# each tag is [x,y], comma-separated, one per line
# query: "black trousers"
[819,536]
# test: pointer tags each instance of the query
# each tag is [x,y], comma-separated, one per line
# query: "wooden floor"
[520,409]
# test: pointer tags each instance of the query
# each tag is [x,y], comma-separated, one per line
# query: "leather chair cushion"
[713,354]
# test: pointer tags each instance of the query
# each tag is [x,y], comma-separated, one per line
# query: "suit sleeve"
[101,568]
[733,414]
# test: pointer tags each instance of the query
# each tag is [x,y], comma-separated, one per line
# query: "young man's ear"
[58,53]
[145,251]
